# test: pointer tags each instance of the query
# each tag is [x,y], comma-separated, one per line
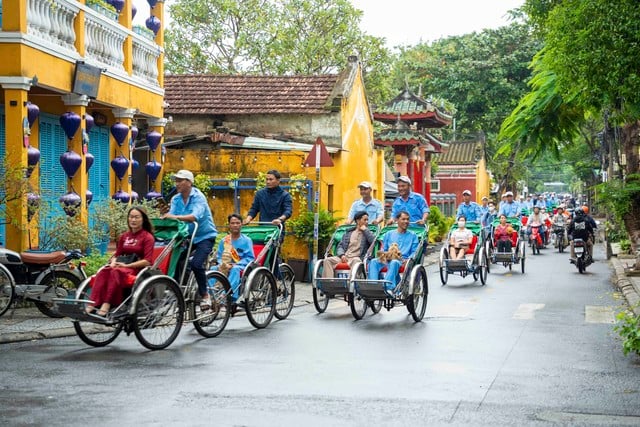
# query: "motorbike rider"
[580,228]
[537,220]
[560,219]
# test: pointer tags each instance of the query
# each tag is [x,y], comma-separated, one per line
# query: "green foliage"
[94,262]
[167,184]
[438,224]
[102,3]
[617,196]
[625,245]
[629,330]
[298,189]
[302,226]
[202,182]
[261,181]
[615,232]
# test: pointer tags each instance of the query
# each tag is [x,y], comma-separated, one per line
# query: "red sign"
[325,158]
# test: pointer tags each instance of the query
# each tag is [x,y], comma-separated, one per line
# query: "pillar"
[125,116]
[80,181]
[158,11]
[16,90]
[158,125]
[14,16]
[126,21]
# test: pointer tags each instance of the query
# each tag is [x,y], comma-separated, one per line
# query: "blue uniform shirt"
[197,206]
[472,211]
[407,242]
[509,209]
[243,246]
[373,208]
[415,204]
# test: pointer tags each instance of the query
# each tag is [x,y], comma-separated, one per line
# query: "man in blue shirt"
[190,205]
[413,203]
[509,208]
[407,242]
[371,206]
[470,210]
[272,203]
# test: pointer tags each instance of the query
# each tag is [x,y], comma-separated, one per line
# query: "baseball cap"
[404,179]
[508,193]
[466,192]
[484,198]
[184,174]
[365,184]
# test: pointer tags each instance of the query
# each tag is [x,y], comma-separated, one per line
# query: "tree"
[272,37]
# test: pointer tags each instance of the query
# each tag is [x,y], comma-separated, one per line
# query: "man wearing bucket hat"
[413,203]
[470,210]
[510,208]
[190,205]
[371,206]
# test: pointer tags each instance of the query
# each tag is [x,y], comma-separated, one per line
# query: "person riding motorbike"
[580,228]
[536,220]
[560,222]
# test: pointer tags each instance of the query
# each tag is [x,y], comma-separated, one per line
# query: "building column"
[158,125]
[400,159]
[80,181]
[158,12]
[124,116]
[16,90]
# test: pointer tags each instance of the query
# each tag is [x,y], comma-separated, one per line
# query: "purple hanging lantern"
[153,23]
[121,196]
[89,196]
[153,170]
[33,157]
[119,131]
[134,196]
[135,164]
[88,122]
[33,111]
[134,132]
[153,140]
[152,195]
[134,10]
[88,161]
[70,162]
[70,123]
[120,165]
[33,203]
[152,3]
[70,203]
[117,4]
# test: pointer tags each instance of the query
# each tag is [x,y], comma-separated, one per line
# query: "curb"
[625,285]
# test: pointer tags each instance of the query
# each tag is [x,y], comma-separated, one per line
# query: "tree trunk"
[630,141]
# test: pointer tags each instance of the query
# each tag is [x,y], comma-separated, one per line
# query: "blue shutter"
[99,172]
[53,181]
[3,151]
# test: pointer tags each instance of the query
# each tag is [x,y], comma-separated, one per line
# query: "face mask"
[461,224]
[492,209]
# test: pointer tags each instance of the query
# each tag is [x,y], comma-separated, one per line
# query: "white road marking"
[527,311]
[599,314]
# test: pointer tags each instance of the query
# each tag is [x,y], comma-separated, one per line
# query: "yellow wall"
[483,180]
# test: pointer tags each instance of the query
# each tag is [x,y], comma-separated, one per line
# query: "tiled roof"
[411,107]
[462,153]
[246,94]
[409,137]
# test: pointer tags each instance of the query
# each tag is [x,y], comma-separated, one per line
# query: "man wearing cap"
[484,207]
[371,206]
[413,203]
[468,209]
[509,208]
[190,205]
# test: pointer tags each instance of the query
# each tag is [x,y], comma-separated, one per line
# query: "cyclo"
[412,290]
[518,244]
[325,288]
[477,265]
[162,297]
[267,288]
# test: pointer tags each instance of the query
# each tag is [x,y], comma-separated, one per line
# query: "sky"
[403,22]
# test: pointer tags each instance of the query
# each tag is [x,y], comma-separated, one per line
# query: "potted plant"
[104,8]
[144,32]
[232,178]
[302,227]
[261,181]
[203,183]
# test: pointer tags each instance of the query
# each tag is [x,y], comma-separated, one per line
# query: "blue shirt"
[407,242]
[243,246]
[271,203]
[198,207]
[373,208]
[472,211]
[415,204]
[509,209]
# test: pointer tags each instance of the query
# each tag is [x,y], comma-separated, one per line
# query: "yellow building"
[69,59]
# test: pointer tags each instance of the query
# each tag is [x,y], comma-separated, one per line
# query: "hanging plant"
[298,188]
[261,181]
[231,178]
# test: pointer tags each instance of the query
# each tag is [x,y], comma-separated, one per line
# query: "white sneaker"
[205,303]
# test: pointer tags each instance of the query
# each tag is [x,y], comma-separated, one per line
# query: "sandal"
[205,304]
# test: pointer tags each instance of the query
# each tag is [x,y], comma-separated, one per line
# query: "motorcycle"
[39,277]
[583,260]
[560,237]
[535,239]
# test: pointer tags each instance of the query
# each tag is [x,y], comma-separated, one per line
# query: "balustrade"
[52,22]
[103,40]
[145,60]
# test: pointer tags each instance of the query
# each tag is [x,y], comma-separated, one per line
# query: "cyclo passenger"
[190,205]
[407,242]
[580,228]
[460,239]
[134,251]
[235,252]
[503,234]
[352,247]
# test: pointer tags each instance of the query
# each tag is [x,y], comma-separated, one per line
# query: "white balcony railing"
[103,40]
[145,60]
[52,22]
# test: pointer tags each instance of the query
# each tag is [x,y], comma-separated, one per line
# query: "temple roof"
[395,137]
[409,107]
[462,153]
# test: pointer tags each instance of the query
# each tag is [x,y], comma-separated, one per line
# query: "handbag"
[127,259]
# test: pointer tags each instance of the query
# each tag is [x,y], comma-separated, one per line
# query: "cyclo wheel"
[158,312]
[7,290]
[417,301]
[320,299]
[483,267]
[488,251]
[375,306]
[95,334]
[286,292]
[444,272]
[522,256]
[212,322]
[62,283]
[357,304]
[260,302]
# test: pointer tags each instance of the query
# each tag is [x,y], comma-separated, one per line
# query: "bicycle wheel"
[375,306]
[7,290]
[522,256]
[60,284]
[417,301]
[320,299]
[488,251]
[357,304]
[444,272]
[286,292]
[213,321]
[95,334]
[158,312]
[259,304]
[483,267]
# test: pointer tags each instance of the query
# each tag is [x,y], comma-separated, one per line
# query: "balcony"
[50,28]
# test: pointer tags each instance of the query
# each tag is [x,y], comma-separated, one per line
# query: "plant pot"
[104,11]
[300,269]
[232,184]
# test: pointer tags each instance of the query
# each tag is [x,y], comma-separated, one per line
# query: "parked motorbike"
[39,277]
[583,260]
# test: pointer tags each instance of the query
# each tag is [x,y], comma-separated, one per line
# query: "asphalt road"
[535,349]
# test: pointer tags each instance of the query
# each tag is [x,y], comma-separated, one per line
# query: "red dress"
[109,282]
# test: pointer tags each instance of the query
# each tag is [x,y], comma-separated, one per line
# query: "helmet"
[585,208]
[579,213]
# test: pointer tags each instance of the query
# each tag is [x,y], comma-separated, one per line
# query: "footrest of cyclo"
[75,309]
[333,286]
[372,289]
[458,264]
[504,256]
